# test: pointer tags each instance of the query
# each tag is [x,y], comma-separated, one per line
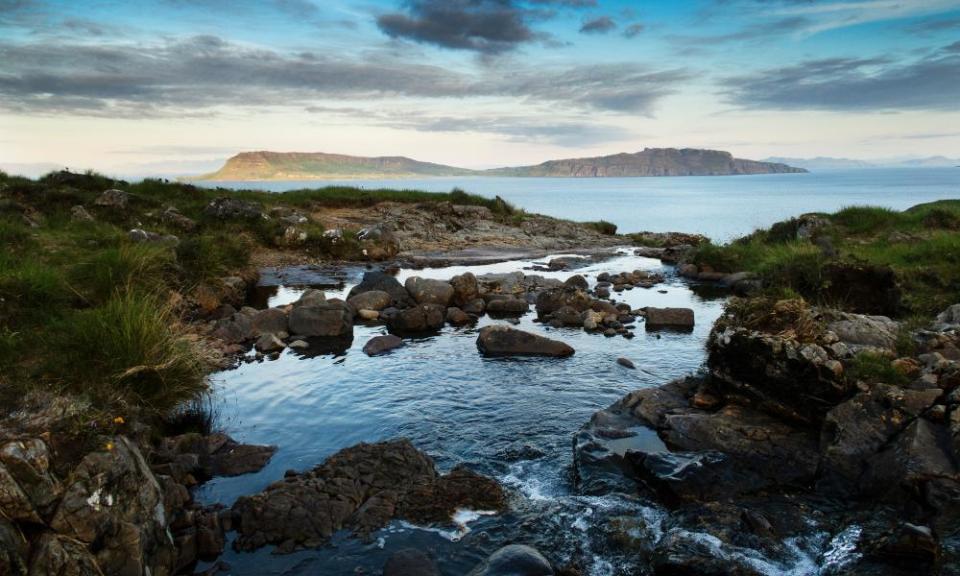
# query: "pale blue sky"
[177,85]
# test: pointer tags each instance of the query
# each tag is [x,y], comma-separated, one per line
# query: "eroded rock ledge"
[360,488]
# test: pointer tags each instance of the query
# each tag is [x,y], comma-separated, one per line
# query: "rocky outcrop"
[505,341]
[360,488]
[226,208]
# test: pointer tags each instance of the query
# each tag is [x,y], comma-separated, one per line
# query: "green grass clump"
[866,219]
[603,227]
[874,368]
[126,351]
[209,256]
[145,267]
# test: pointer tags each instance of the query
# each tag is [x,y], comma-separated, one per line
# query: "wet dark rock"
[551,300]
[909,545]
[421,318]
[429,291]
[909,465]
[457,317]
[269,343]
[204,457]
[331,318]
[577,281]
[626,363]
[226,208]
[681,552]
[381,281]
[14,549]
[56,555]
[382,344]
[361,488]
[514,560]
[676,318]
[410,562]
[505,341]
[466,289]
[370,300]
[507,306]
[566,316]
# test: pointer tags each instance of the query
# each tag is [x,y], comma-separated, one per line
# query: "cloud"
[933,26]
[601,25]
[845,84]
[199,75]
[485,26]
[633,30]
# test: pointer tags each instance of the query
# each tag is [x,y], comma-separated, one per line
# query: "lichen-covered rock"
[27,462]
[362,488]
[113,198]
[112,500]
[226,208]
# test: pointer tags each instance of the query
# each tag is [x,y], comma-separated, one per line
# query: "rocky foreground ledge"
[786,428]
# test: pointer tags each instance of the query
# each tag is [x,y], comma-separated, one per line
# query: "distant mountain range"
[649,162]
[826,163]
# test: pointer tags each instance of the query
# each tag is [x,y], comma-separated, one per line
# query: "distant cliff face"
[650,162]
[318,165]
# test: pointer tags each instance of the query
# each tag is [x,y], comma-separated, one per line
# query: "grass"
[921,245]
[874,368]
[127,351]
[603,227]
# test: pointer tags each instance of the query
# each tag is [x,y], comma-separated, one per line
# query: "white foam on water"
[841,550]
[461,519]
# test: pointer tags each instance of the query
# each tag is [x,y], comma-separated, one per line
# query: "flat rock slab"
[506,341]
[670,318]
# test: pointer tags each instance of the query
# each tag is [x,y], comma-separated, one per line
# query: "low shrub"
[603,227]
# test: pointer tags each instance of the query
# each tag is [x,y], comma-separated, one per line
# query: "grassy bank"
[86,310]
[801,256]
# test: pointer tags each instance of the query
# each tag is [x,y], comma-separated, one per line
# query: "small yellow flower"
[118,420]
[109,446]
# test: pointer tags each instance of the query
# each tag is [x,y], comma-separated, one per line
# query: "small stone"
[269,343]
[382,344]
[80,214]
[626,363]
[368,315]
[299,345]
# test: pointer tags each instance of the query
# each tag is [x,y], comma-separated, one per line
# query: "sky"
[174,87]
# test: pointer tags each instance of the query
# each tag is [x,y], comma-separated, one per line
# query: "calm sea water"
[721,207]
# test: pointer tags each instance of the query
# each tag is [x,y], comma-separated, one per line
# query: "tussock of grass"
[874,368]
[209,256]
[603,227]
[127,351]
[144,267]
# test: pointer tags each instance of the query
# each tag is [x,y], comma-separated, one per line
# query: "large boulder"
[56,555]
[113,504]
[25,469]
[676,318]
[269,321]
[362,488]
[428,291]
[551,300]
[507,307]
[466,289]
[113,198]
[505,341]
[332,318]
[383,282]
[370,300]
[514,560]
[422,318]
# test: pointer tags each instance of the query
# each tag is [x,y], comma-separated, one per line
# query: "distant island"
[265,165]
[827,163]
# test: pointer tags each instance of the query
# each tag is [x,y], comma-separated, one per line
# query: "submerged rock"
[506,341]
[361,488]
[514,560]
[382,344]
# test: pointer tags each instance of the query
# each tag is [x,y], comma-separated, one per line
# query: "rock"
[383,282]
[368,315]
[225,208]
[909,464]
[577,281]
[113,198]
[681,552]
[113,503]
[311,296]
[172,217]
[205,457]
[428,291]
[861,333]
[688,270]
[299,345]
[363,488]
[422,318]
[507,307]
[949,319]
[566,316]
[626,363]
[410,562]
[14,549]
[676,318]
[141,235]
[79,214]
[269,321]
[465,289]
[457,317]
[56,555]
[234,330]
[910,546]
[370,300]
[514,560]
[331,318]
[382,344]
[551,300]
[505,341]
[269,343]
